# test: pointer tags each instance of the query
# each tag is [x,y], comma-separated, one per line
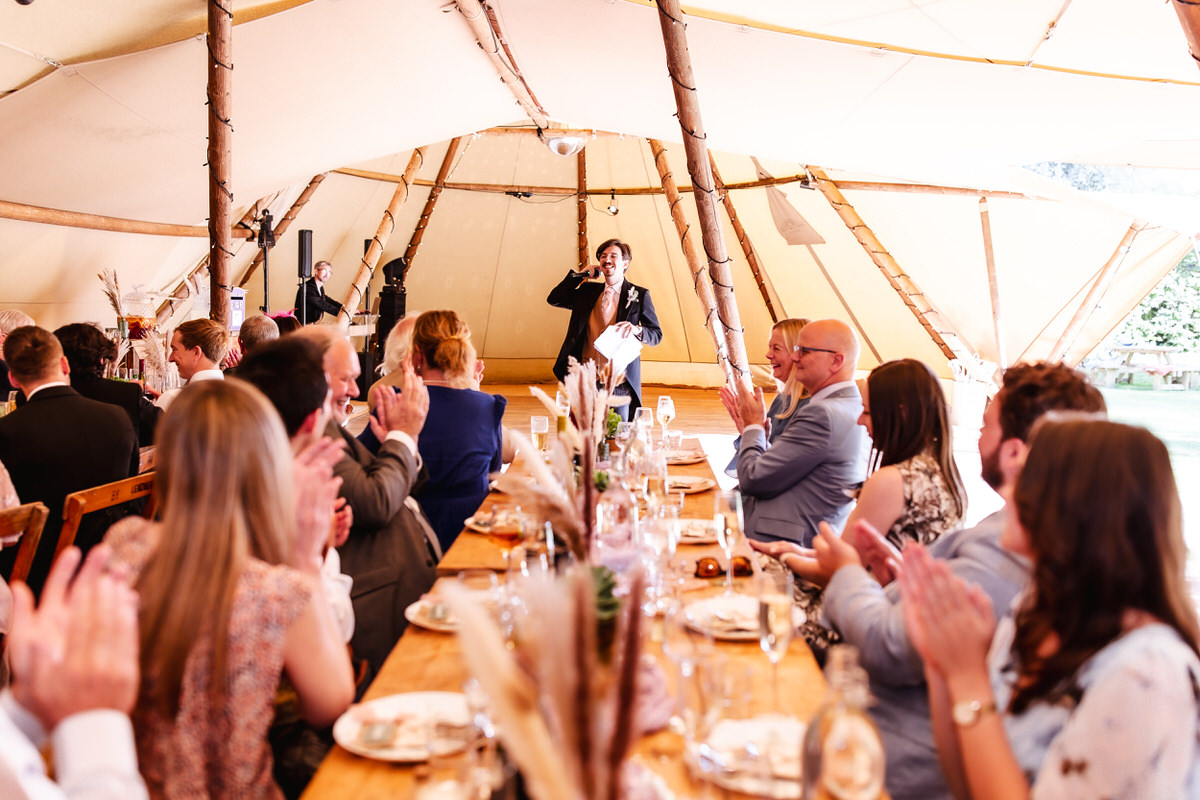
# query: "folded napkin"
[769,744]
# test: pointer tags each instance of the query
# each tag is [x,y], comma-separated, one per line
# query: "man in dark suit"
[88,352]
[59,441]
[311,302]
[392,552]
[597,306]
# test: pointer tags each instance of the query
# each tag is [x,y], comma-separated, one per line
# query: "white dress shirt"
[166,398]
[94,754]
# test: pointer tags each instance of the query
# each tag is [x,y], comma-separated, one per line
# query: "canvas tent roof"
[952,93]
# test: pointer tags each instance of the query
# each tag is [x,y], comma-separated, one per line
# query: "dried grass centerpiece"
[565,716]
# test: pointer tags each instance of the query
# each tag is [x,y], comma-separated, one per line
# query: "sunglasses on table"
[709,567]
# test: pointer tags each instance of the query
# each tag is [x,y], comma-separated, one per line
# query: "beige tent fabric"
[951,92]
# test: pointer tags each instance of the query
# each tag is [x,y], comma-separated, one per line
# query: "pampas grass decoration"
[112,290]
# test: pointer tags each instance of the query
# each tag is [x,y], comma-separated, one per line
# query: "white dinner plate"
[425,614]
[417,716]
[689,484]
[684,457]
[697,531]
[478,523]
[759,756]
[732,617]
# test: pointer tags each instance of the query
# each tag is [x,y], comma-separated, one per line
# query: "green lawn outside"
[1173,416]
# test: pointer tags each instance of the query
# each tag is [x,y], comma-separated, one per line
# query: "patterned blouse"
[1128,726]
[211,750]
[928,503]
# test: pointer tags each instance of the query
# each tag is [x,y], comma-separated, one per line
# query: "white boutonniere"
[633,296]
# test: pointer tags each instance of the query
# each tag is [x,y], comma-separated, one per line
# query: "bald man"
[809,474]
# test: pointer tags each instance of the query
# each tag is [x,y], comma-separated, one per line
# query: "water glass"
[727,515]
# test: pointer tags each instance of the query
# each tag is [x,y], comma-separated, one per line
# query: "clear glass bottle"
[843,754]
[616,530]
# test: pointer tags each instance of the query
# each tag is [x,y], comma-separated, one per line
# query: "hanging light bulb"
[612,203]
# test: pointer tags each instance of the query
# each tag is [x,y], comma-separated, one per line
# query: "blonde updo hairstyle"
[443,341]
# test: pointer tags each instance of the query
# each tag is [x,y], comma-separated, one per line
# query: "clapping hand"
[877,553]
[949,623]
[833,552]
[316,494]
[729,400]
[404,411]
[752,408]
[78,650]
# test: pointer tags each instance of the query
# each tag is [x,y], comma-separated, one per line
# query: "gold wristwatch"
[966,713]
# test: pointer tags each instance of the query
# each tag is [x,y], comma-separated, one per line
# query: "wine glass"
[644,417]
[507,528]
[666,413]
[727,517]
[775,625]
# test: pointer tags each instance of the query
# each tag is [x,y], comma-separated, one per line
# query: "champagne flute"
[728,519]
[539,429]
[666,413]
[775,625]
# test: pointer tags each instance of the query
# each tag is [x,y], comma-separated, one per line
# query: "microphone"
[590,272]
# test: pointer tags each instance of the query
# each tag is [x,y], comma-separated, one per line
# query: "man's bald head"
[826,352]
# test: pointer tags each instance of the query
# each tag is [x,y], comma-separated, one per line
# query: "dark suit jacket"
[311,300]
[580,297]
[388,553]
[61,442]
[129,396]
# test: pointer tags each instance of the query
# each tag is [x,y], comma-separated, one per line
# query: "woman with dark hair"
[915,492]
[1089,688]
[89,353]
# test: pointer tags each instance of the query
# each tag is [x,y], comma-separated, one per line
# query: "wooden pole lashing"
[366,269]
[993,283]
[1096,294]
[700,280]
[581,207]
[414,242]
[930,319]
[220,159]
[285,223]
[772,301]
[683,83]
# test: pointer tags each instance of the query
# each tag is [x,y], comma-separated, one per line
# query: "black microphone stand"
[266,240]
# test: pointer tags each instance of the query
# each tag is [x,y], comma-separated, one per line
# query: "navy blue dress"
[460,447]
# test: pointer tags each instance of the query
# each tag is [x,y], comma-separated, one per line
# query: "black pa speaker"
[305,254]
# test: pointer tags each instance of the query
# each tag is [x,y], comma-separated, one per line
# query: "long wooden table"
[427,661]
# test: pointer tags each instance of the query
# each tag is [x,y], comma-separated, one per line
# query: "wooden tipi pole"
[1188,12]
[414,243]
[937,326]
[366,269]
[220,158]
[285,223]
[993,283]
[184,290]
[581,207]
[1096,294]
[683,82]
[770,298]
[700,282]
[23,212]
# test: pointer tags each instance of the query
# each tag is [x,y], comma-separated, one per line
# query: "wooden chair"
[101,497]
[29,518]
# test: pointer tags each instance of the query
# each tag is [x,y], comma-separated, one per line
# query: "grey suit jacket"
[871,618]
[806,475]
[388,552]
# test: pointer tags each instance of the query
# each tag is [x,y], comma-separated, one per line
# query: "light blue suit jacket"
[808,474]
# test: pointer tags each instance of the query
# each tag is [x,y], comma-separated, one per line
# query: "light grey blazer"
[808,474]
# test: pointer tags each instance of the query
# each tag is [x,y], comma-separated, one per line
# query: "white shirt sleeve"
[337,592]
[94,753]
